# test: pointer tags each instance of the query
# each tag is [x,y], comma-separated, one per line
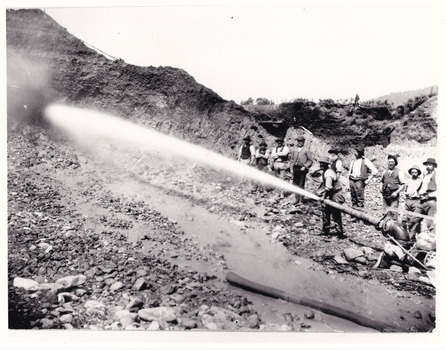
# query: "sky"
[299,49]
[278,50]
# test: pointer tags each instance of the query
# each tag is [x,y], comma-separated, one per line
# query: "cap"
[300,138]
[324,159]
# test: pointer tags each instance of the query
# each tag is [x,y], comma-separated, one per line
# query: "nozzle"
[395,229]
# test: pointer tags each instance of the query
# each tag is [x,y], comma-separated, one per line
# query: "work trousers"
[389,202]
[299,177]
[330,212]
[429,208]
[357,188]
[413,222]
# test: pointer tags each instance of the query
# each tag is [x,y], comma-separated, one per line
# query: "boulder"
[351,253]
[116,286]
[140,284]
[25,283]
[72,281]
[161,313]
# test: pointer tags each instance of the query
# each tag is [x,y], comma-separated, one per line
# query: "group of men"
[284,162]
[294,163]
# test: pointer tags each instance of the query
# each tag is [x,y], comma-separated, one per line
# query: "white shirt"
[355,167]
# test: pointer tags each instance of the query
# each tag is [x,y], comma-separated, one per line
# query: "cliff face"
[347,126]
[47,64]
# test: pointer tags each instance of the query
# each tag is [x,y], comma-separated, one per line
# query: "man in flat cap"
[330,189]
[392,183]
[280,159]
[301,161]
[428,193]
[361,171]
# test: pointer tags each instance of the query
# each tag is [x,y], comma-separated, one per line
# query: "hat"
[360,150]
[334,151]
[300,138]
[247,138]
[390,156]
[279,140]
[263,143]
[324,159]
[430,161]
[417,168]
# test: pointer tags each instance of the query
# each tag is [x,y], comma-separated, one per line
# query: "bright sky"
[281,50]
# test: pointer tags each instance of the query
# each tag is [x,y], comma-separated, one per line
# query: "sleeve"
[371,166]
[401,177]
[339,166]
[350,169]
[309,161]
[329,182]
[285,151]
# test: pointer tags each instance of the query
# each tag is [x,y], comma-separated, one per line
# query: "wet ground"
[202,222]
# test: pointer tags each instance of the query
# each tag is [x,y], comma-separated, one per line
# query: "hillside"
[46,63]
[121,235]
[400,98]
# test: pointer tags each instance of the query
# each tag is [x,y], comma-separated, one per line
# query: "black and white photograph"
[222,172]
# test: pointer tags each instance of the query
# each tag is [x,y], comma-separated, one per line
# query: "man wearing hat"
[301,161]
[392,183]
[246,153]
[330,189]
[279,157]
[262,156]
[428,193]
[412,201]
[360,173]
[335,162]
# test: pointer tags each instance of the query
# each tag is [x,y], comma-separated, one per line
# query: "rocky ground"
[85,251]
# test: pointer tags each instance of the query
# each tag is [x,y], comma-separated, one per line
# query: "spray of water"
[82,125]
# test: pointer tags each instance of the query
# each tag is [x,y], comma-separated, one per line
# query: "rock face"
[46,64]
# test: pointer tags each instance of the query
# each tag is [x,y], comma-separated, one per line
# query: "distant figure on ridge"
[392,183]
[301,161]
[279,157]
[246,153]
[331,189]
[360,173]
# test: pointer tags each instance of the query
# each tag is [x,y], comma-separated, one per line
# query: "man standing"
[412,201]
[335,162]
[392,183]
[428,193]
[301,161]
[280,156]
[246,153]
[330,189]
[262,156]
[360,173]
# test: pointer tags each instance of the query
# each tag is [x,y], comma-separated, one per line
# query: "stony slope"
[46,63]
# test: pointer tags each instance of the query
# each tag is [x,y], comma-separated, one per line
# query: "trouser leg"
[326,220]
[430,208]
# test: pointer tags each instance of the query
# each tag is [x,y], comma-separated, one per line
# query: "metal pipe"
[315,304]
[386,225]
